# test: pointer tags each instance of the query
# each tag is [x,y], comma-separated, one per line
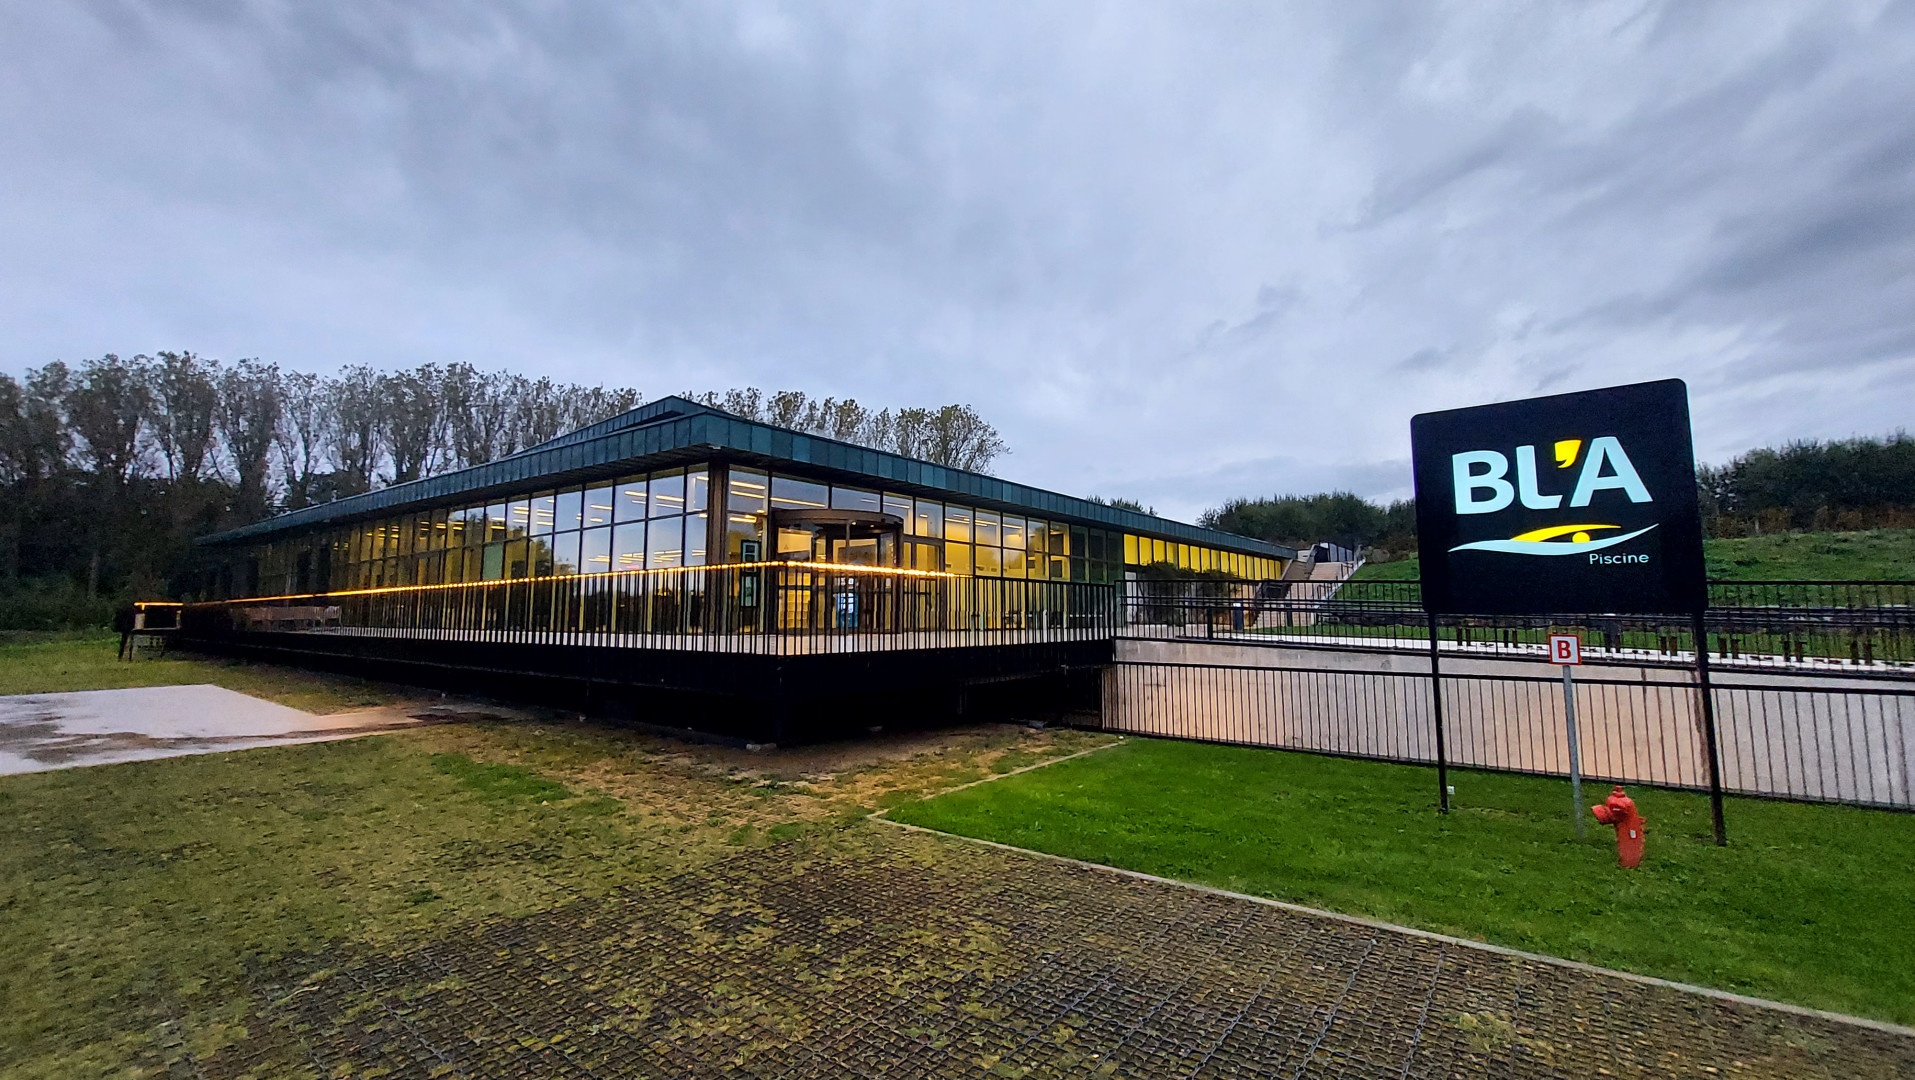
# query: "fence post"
[1701,635]
[1436,711]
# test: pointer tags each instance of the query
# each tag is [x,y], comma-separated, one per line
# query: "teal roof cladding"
[673,430]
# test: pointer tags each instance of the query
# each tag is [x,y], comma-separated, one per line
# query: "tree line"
[1808,485]
[1843,484]
[112,467]
[1340,517]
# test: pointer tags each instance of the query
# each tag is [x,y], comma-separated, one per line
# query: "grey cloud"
[1179,254]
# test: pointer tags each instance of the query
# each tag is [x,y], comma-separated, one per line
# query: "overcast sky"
[1177,252]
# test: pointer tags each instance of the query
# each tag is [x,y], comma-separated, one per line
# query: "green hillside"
[1872,555]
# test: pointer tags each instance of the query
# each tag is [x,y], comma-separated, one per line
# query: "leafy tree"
[1846,483]
[1124,504]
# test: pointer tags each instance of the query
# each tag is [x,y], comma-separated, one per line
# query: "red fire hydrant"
[1620,810]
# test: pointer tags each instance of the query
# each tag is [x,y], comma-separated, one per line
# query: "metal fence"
[1782,736]
[777,608]
[1856,627]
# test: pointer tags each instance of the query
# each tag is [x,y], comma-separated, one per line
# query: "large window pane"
[565,553]
[795,543]
[695,526]
[668,493]
[540,556]
[928,519]
[1013,533]
[748,491]
[1014,562]
[899,506]
[844,498]
[990,561]
[738,529]
[568,509]
[988,529]
[957,557]
[631,499]
[957,523]
[544,513]
[598,506]
[436,523]
[494,524]
[628,546]
[697,490]
[595,551]
[517,559]
[493,568]
[518,517]
[791,494]
[666,543]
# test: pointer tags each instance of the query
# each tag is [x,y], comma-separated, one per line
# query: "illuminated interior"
[671,519]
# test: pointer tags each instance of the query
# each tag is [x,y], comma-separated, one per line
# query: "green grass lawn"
[1809,904]
[54,663]
[1872,555]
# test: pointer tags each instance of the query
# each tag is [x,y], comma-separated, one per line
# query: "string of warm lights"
[803,567]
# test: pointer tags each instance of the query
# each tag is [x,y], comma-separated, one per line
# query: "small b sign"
[1565,649]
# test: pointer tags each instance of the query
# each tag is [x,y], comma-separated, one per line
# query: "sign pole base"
[1700,631]
[1436,711]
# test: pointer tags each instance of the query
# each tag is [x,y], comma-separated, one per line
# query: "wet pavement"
[94,727]
[883,953]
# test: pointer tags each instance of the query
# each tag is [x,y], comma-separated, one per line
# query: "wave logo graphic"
[1547,542]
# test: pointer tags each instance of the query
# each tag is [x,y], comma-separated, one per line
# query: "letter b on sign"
[1565,649]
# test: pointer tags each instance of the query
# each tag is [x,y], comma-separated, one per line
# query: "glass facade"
[663,520]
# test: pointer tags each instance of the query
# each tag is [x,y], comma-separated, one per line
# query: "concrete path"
[94,727]
[899,954]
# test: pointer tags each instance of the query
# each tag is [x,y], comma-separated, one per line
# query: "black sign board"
[1577,503]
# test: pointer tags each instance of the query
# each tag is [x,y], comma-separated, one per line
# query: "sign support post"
[1700,631]
[1436,711]
[1575,751]
[1565,651]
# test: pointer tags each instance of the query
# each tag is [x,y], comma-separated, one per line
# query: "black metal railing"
[777,608]
[1855,626]
[1782,734]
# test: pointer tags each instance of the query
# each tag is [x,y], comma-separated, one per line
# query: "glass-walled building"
[675,484]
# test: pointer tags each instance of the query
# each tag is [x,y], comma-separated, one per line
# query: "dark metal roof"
[673,430]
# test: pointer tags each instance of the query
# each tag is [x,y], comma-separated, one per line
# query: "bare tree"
[34,435]
[412,420]
[107,407]
[185,396]
[302,437]
[250,406]
[351,407]
[953,435]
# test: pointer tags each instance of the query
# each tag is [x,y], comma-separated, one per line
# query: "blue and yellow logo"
[1482,486]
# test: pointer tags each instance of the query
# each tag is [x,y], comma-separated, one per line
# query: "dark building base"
[733,696]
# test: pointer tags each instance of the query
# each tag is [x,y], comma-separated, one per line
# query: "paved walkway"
[893,954]
[94,727]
